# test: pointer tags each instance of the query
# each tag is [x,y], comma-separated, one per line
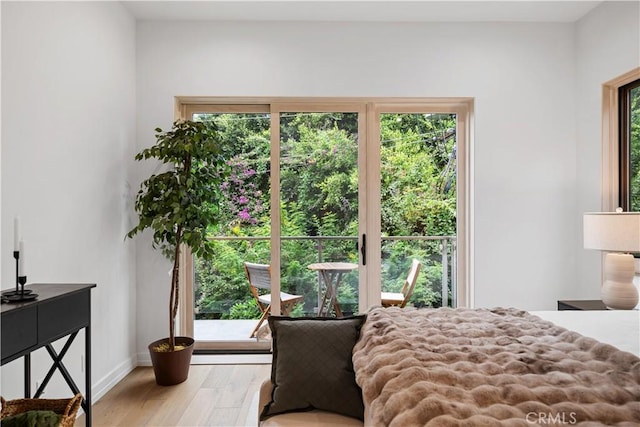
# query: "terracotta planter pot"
[171,367]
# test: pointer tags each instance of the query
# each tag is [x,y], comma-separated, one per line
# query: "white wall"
[521,76]
[68,129]
[607,45]
[71,95]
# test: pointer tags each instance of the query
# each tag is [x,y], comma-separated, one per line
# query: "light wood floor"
[213,395]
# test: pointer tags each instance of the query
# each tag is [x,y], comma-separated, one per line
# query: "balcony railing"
[435,253]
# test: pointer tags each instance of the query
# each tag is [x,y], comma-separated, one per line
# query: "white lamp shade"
[612,231]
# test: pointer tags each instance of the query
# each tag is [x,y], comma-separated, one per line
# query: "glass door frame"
[369,110]
[316,106]
[463,108]
[186,315]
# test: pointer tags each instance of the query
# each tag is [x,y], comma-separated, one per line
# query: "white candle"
[22,271]
[16,233]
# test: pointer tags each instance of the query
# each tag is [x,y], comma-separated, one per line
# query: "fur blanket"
[500,367]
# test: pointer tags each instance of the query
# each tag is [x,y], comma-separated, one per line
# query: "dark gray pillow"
[312,366]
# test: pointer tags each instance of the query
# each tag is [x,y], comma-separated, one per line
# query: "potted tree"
[179,205]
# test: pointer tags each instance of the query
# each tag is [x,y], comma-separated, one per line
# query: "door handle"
[363,249]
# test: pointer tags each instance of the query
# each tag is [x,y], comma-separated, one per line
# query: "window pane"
[221,289]
[319,205]
[418,205]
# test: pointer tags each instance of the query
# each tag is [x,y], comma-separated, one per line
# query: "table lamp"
[617,233]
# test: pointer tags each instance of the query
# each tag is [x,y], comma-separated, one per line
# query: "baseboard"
[144,359]
[107,382]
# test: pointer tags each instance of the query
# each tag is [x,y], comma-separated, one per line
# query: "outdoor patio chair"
[259,276]
[402,298]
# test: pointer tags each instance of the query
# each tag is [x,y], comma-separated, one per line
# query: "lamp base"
[618,291]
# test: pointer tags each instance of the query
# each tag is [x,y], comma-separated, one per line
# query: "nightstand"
[585,304]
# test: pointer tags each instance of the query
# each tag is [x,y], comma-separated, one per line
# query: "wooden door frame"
[368,109]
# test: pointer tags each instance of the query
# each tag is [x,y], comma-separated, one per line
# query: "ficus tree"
[182,203]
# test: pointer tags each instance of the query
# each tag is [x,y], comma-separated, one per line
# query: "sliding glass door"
[223,311]
[418,205]
[336,199]
[318,196]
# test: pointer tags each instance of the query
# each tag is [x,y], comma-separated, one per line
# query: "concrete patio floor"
[224,330]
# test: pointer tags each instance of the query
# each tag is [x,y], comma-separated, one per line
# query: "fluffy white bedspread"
[499,367]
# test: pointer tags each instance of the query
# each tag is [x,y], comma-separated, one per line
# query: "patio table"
[331,275]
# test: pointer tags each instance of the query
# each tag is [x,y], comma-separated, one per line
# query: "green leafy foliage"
[245,310]
[319,198]
[634,151]
[180,205]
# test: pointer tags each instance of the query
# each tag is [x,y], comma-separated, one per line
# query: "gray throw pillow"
[312,366]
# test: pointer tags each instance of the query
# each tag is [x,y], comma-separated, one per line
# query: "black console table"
[60,310]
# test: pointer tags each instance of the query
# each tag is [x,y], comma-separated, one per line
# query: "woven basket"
[65,407]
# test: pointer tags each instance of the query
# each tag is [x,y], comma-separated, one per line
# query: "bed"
[502,367]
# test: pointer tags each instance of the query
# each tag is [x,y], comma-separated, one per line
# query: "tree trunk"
[173,299]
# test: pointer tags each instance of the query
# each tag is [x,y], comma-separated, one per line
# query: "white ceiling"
[362,11]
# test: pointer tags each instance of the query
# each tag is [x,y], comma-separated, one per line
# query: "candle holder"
[22,294]
[22,280]
[16,256]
